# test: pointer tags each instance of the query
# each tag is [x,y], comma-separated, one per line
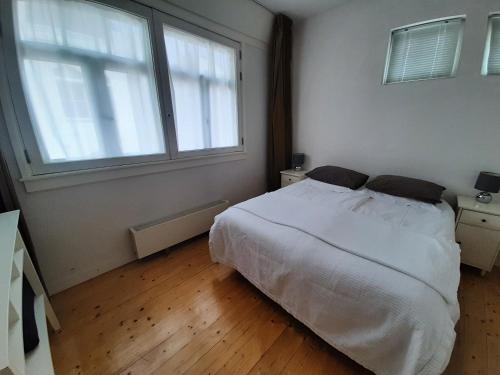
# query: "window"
[424,51]
[92,89]
[203,84]
[87,73]
[491,60]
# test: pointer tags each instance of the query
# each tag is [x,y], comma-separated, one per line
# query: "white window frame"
[23,139]
[456,63]
[160,19]
[486,53]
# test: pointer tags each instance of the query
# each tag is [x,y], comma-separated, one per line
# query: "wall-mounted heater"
[160,234]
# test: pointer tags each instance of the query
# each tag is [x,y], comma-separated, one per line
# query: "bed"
[376,276]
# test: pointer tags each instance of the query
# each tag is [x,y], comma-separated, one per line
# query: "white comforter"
[386,315]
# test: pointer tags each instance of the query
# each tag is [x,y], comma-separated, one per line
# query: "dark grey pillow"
[406,187]
[30,330]
[338,176]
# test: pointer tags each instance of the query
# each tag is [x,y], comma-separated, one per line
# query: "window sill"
[65,179]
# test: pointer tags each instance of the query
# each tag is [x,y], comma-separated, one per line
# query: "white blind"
[424,51]
[491,63]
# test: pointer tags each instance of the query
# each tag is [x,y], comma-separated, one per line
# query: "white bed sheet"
[385,320]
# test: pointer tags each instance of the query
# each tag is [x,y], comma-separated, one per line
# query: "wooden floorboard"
[178,313]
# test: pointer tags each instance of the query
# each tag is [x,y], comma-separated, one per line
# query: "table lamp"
[298,161]
[487,182]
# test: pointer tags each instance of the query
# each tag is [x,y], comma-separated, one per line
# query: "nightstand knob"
[483,220]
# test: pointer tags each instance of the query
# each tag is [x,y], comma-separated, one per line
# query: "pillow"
[338,176]
[30,330]
[420,190]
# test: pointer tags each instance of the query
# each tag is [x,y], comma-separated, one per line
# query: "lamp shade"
[298,160]
[488,181]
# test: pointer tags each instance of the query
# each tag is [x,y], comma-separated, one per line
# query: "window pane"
[425,51]
[131,98]
[60,102]
[203,80]
[87,72]
[491,63]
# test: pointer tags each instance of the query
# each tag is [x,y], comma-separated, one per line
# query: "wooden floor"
[180,313]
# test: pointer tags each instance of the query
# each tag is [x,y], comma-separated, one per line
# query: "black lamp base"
[484,197]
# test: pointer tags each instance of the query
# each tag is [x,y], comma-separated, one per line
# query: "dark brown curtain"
[9,202]
[279,127]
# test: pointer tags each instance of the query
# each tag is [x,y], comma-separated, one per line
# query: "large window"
[491,60]
[114,82]
[424,51]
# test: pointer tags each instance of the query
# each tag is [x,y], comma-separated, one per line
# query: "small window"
[491,60]
[425,51]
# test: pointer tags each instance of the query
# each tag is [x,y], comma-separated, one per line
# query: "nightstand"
[291,176]
[478,232]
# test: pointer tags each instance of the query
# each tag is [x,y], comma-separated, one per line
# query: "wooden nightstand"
[291,176]
[478,232]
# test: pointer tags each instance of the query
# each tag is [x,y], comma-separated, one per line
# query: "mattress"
[386,320]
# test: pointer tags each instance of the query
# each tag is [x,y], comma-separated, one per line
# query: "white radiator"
[171,230]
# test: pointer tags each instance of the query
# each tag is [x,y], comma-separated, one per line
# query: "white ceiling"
[299,9]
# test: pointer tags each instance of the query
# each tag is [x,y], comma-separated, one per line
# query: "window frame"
[20,102]
[456,62]
[487,46]
[32,157]
[160,19]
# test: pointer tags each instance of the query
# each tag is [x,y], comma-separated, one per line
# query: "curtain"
[203,80]
[87,70]
[279,127]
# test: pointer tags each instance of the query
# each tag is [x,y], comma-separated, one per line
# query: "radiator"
[160,234]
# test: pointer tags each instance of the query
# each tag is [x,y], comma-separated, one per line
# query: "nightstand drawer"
[479,246]
[479,219]
[288,180]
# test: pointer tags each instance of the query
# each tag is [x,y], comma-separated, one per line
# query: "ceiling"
[299,9]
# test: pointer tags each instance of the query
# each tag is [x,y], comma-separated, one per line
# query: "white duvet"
[353,285]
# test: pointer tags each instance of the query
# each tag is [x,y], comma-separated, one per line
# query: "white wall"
[444,130]
[82,231]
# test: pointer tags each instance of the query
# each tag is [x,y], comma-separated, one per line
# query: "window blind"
[424,51]
[491,62]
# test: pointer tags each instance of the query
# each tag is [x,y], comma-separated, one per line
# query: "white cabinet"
[478,233]
[291,176]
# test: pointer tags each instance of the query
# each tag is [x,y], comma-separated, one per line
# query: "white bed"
[391,307]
